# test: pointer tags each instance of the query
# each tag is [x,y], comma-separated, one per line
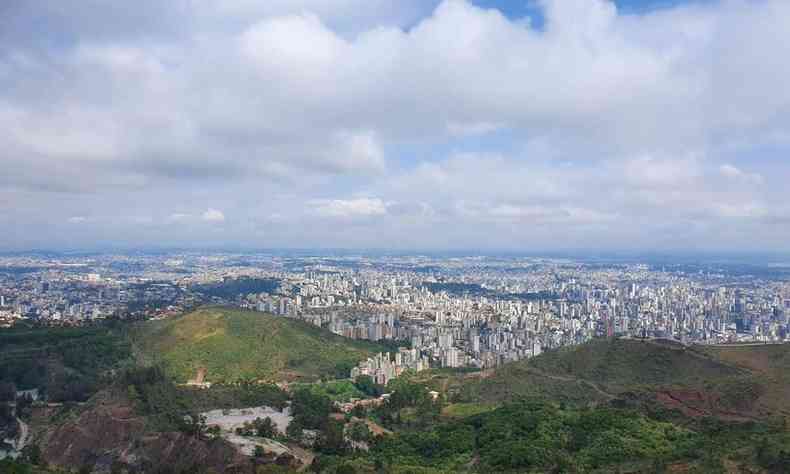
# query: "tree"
[214,431]
[332,439]
[428,410]
[32,454]
[133,394]
[194,425]
[294,431]
[345,468]
[359,431]
[259,452]
[311,410]
[359,411]
[265,427]
[405,394]
[343,369]
[368,386]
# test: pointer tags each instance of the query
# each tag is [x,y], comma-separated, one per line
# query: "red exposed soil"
[110,432]
[696,404]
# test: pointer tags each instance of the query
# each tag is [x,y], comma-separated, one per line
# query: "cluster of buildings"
[453,311]
[469,313]
[384,366]
[79,290]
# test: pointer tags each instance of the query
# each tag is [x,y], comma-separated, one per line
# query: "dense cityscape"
[471,311]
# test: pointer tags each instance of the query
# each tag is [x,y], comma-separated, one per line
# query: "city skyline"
[536,127]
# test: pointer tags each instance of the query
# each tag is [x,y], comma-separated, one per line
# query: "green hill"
[623,363]
[232,344]
[732,383]
[770,366]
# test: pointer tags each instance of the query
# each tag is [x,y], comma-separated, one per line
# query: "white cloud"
[741,210]
[142,220]
[77,220]
[295,48]
[360,152]
[362,207]
[472,128]
[664,173]
[732,172]
[460,119]
[213,215]
[290,90]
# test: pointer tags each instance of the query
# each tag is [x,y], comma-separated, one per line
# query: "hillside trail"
[570,378]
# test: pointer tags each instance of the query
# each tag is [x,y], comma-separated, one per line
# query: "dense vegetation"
[65,364]
[154,395]
[10,466]
[540,436]
[234,345]
[532,435]
[337,391]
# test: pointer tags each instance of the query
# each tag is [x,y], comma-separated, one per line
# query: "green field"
[465,410]
[232,345]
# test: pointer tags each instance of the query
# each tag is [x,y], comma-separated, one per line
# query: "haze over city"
[509,125]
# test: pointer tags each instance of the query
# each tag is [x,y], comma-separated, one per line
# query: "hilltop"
[228,344]
[620,364]
[736,383]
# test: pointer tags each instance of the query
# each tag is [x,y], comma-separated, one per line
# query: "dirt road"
[24,433]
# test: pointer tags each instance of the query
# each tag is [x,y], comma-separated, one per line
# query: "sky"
[652,125]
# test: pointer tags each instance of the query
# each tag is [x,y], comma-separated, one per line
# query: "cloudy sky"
[406,124]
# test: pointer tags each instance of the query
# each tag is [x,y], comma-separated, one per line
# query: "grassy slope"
[507,383]
[235,344]
[596,371]
[770,365]
[623,363]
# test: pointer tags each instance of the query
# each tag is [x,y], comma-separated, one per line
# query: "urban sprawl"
[437,311]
